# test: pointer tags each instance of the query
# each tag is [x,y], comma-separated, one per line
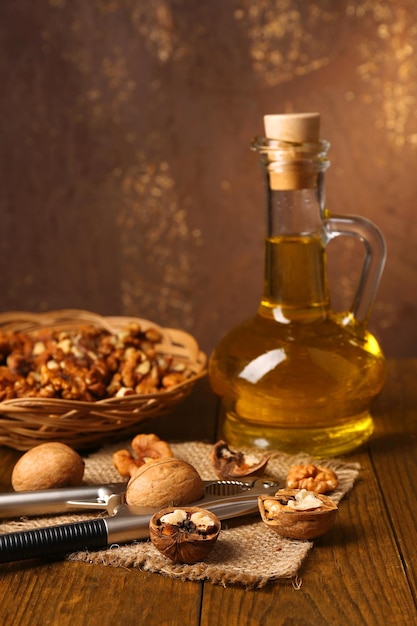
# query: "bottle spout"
[292,151]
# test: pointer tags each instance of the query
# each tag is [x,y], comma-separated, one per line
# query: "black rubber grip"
[53,540]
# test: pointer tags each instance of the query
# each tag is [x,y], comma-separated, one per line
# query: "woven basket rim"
[26,421]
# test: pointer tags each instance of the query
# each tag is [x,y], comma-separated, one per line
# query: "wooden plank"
[393,451]
[82,594]
[355,571]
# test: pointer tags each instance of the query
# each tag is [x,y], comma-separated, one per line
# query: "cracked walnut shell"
[298,513]
[185,535]
[229,464]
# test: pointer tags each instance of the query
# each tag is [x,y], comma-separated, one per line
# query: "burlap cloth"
[247,551]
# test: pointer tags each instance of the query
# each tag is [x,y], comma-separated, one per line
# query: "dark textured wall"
[127,185]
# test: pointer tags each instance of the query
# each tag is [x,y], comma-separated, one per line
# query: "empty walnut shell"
[279,512]
[164,482]
[229,464]
[184,535]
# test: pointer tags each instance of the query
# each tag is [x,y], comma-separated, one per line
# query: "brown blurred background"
[127,185]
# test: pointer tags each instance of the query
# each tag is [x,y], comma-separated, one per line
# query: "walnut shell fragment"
[298,513]
[229,464]
[184,535]
[164,482]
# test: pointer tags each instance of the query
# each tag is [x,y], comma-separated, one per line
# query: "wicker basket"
[26,422]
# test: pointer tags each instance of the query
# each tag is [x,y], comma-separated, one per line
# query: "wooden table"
[363,572]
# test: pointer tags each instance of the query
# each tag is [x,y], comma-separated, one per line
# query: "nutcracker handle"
[53,540]
[375,255]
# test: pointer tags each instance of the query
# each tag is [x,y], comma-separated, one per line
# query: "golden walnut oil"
[296,376]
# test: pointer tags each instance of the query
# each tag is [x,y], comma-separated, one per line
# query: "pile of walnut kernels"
[86,364]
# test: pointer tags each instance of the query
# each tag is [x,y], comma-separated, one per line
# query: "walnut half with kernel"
[184,535]
[298,513]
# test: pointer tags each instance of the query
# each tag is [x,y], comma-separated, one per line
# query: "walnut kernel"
[145,448]
[87,364]
[314,478]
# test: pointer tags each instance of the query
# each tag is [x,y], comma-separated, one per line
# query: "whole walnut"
[164,482]
[47,466]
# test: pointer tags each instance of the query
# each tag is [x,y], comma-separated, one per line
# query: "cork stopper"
[293,128]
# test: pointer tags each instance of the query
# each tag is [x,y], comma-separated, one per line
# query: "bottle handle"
[375,255]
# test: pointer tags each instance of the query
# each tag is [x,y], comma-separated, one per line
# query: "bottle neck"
[295,211]
[295,279]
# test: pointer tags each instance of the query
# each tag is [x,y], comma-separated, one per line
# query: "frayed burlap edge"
[242,554]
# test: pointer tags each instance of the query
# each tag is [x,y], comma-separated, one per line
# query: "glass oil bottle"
[298,376]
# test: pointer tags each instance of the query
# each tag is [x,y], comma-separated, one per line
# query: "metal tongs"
[124,523]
